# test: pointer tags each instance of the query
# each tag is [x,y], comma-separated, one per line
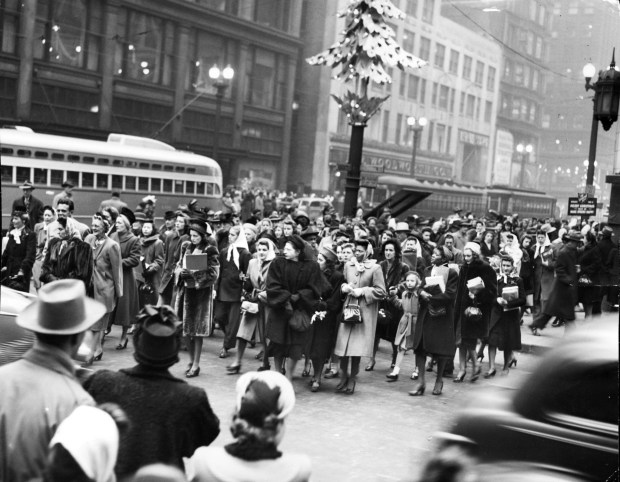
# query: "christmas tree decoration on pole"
[366,50]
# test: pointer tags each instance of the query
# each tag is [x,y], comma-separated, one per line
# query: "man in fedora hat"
[67,187]
[168,226]
[30,204]
[40,390]
[563,295]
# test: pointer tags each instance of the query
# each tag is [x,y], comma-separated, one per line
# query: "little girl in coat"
[408,302]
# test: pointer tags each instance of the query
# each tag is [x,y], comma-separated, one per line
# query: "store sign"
[502,162]
[469,137]
[580,206]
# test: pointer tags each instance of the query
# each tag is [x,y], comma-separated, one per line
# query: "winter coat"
[169,418]
[526,273]
[74,262]
[172,253]
[153,260]
[606,246]
[107,271]
[229,284]
[563,296]
[194,302]
[467,328]
[20,256]
[392,278]
[591,267]
[543,274]
[505,328]
[358,339]
[127,306]
[435,334]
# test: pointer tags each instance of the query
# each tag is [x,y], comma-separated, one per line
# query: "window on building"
[408,40]
[518,74]
[530,43]
[429,139]
[573,8]
[479,77]
[388,86]
[411,8]
[440,137]
[488,110]
[402,84]
[542,15]
[385,128]
[538,53]
[440,55]
[448,139]
[9,22]
[451,101]
[270,13]
[467,62]
[144,47]
[204,51]
[535,77]
[434,94]
[412,87]
[471,103]
[491,79]
[422,96]
[428,10]
[88,179]
[266,75]
[68,32]
[462,104]
[526,76]
[425,48]
[399,127]
[444,94]
[508,68]
[262,137]
[477,109]
[454,62]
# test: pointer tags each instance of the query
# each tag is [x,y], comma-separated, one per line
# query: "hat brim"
[29,318]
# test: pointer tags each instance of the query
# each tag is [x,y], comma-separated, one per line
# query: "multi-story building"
[90,67]
[456,92]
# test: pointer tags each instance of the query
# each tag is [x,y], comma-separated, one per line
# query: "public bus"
[135,167]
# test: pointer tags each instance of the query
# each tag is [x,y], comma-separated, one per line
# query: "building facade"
[140,67]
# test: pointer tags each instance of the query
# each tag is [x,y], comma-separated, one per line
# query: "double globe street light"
[222,79]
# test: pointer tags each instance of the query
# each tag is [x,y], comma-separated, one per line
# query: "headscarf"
[284,403]
[271,253]
[90,435]
[473,247]
[240,242]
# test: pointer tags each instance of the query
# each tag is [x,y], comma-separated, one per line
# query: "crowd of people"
[320,293]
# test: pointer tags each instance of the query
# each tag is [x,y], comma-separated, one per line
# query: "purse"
[299,321]
[351,314]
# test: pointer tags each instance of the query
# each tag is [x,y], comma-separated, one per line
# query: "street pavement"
[380,433]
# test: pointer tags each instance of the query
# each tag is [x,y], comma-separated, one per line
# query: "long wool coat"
[466,328]
[128,305]
[172,253]
[436,335]
[194,302]
[153,252]
[20,256]
[107,271]
[358,340]
[505,328]
[543,274]
[592,267]
[393,276]
[563,296]
[74,262]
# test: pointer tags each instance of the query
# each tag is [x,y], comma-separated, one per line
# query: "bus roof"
[118,145]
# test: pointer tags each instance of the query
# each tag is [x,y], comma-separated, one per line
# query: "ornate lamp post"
[524,152]
[221,80]
[416,124]
[606,101]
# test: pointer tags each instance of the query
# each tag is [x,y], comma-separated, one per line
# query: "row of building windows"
[91,180]
[526,41]
[411,9]
[523,75]
[518,108]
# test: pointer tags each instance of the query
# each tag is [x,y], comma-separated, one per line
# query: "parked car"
[563,419]
[14,340]
[314,206]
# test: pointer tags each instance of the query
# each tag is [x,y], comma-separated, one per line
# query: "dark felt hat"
[169,215]
[157,338]
[67,183]
[128,213]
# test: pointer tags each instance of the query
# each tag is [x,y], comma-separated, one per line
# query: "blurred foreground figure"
[41,390]
[169,418]
[264,399]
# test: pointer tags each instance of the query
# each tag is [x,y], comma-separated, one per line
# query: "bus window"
[118,162]
[57,177]
[6,151]
[178,186]
[23,174]
[155,184]
[41,154]
[7,174]
[130,163]
[189,187]
[145,165]
[58,156]
[24,153]
[130,183]
[168,167]
[88,159]
[210,189]
[200,188]
[179,168]
[167,185]
[73,158]
[143,184]
[74,177]
[40,176]
[217,190]
[156,167]
[117,181]
[102,181]
[88,179]
[191,170]
[103,160]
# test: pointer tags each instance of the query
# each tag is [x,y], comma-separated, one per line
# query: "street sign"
[368,181]
[587,207]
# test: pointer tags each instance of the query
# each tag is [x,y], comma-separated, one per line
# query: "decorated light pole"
[221,80]
[416,124]
[366,49]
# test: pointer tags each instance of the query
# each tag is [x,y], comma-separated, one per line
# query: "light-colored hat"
[26,185]
[62,309]
[402,226]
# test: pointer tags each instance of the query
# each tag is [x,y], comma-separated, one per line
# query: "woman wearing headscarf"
[234,262]
[19,255]
[322,332]
[127,306]
[364,286]
[293,283]
[85,445]
[394,272]
[264,400]
[194,301]
[253,304]
[434,329]
[511,248]
[473,307]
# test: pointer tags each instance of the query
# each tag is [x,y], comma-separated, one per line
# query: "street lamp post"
[524,152]
[416,124]
[606,101]
[221,80]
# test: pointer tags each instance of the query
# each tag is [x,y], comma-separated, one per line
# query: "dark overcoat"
[467,328]
[20,256]
[74,262]
[591,266]
[393,276]
[563,296]
[436,335]
[128,304]
[505,328]
[169,418]
[229,284]
[172,253]
[543,272]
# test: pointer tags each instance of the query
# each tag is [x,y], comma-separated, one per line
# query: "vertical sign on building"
[502,163]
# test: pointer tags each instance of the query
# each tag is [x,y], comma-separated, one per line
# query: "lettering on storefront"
[469,137]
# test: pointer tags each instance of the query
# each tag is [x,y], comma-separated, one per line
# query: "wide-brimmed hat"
[309,232]
[128,213]
[547,228]
[607,232]
[61,309]
[402,227]
[169,215]
[157,340]
[26,185]
[200,226]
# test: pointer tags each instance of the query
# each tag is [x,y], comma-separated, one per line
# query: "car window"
[315,204]
[589,394]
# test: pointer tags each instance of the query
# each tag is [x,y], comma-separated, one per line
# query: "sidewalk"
[550,336]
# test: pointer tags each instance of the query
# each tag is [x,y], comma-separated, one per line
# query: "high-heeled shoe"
[480,355]
[476,374]
[415,374]
[316,385]
[513,363]
[418,392]
[459,377]
[189,367]
[192,373]
[107,331]
[438,388]
[342,386]
[224,353]
[392,377]
[98,357]
[350,388]
[371,366]
[491,373]
[233,369]
[122,346]
[331,373]
[305,373]
[263,368]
